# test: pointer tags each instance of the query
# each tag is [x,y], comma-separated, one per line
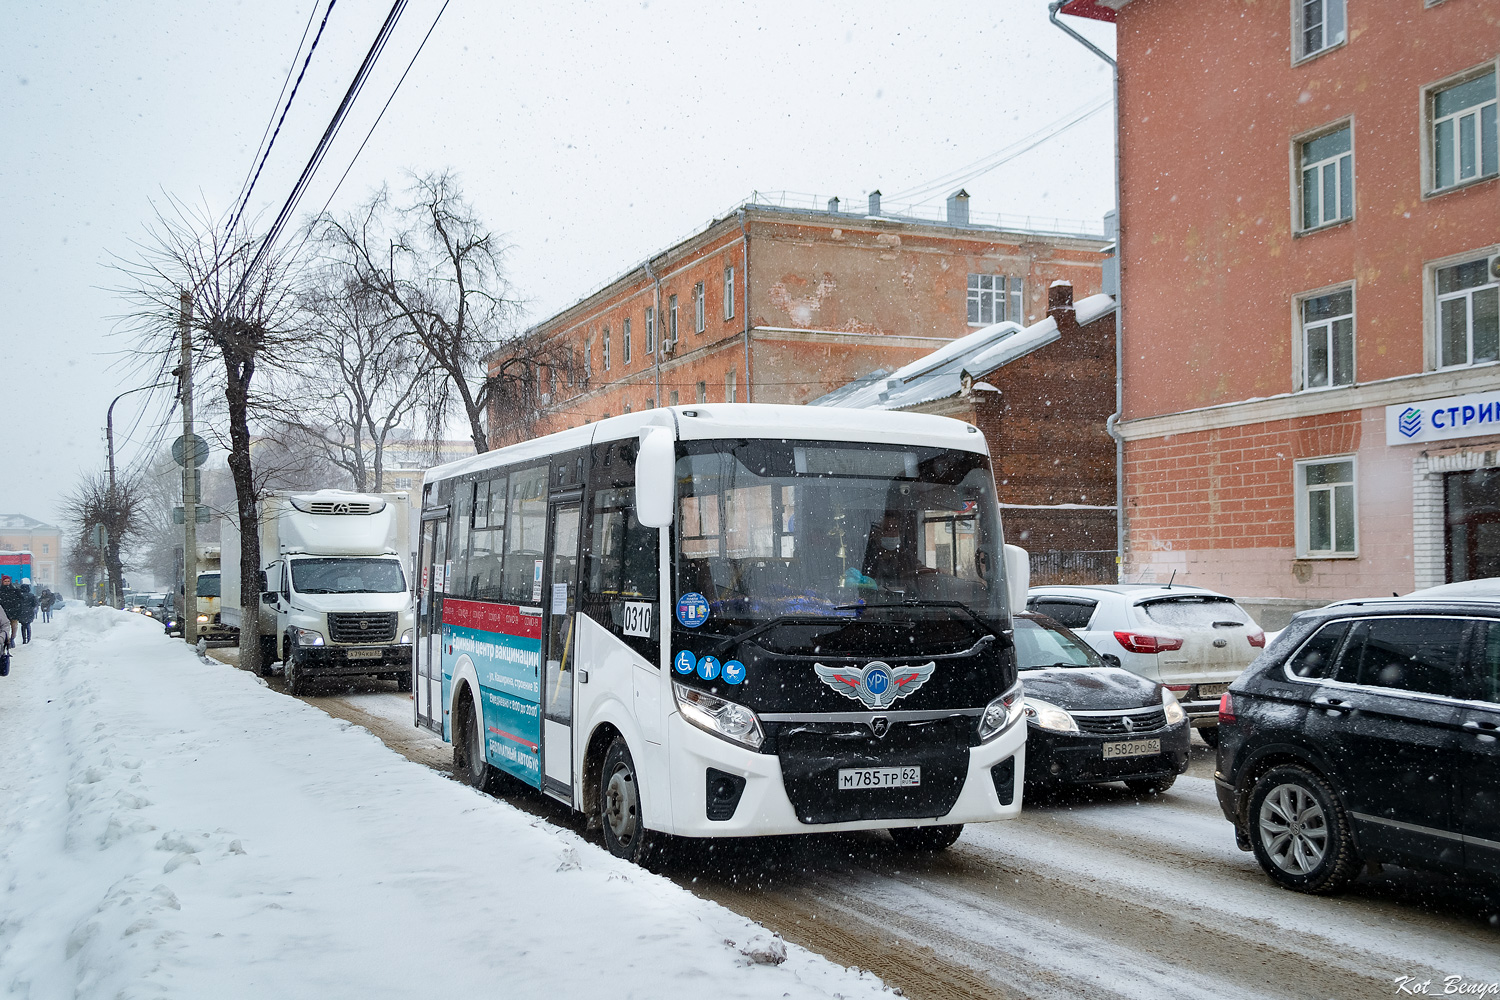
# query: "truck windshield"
[771,529]
[347,576]
[208,585]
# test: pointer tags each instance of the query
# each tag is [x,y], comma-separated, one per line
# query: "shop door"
[1473,522]
[560,605]
[427,682]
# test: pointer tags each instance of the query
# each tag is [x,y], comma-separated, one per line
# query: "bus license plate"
[879,777]
[364,654]
[1132,748]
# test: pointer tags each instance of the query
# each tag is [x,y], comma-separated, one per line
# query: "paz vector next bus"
[729,620]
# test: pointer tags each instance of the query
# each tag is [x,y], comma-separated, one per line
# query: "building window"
[993,298]
[672,398]
[730,385]
[729,292]
[605,353]
[627,407]
[1468,310]
[672,320]
[1327,165]
[1320,25]
[698,310]
[1464,141]
[588,360]
[650,330]
[1325,508]
[1328,340]
[625,342]
[702,392]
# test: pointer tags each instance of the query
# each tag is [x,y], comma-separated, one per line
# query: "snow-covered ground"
[174,828]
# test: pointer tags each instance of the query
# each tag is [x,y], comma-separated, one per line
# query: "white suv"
[1191,640]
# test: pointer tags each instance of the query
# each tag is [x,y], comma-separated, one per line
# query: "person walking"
[28,612]
[10,607]
[5,644]
[45,602]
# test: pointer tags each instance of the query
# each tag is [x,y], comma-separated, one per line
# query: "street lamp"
[109,435]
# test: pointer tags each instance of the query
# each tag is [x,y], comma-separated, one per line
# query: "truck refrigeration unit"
[335,596]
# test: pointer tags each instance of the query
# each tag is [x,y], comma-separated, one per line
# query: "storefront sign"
[1443,419]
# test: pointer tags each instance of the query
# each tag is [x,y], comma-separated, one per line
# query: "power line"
[246,200]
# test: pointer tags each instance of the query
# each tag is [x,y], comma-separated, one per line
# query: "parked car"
[1087,723]
[151,605]
[1368,732]
[1192,640]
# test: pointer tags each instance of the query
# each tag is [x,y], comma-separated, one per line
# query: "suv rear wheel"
[1299,831]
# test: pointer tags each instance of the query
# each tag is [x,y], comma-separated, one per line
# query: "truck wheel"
[267,654]
[403,681]
[296,683]
[625,832]
[926,838]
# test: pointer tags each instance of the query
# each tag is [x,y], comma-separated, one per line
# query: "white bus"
[729,620]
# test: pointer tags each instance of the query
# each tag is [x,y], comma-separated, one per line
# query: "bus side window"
[486,545]
[457,583]
[622,556]
[525,535]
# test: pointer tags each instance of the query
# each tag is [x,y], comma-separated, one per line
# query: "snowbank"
[173,828]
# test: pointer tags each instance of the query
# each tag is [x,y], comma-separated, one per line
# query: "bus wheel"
[469,764]
[625,833]
[926,838]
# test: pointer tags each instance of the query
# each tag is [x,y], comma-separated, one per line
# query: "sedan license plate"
[1132,748]
[1212,690]
[364,654]
[879,777]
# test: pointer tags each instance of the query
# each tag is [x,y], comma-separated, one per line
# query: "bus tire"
[625,833]
[926,838]
[469,765]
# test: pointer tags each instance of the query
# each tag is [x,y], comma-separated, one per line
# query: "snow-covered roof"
[20,522]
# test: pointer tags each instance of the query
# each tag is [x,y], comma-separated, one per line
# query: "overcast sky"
[589,134]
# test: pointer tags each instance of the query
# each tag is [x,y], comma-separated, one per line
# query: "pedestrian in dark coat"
[45,602]
[28,612]
[10,606]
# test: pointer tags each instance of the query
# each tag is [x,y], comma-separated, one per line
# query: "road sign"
[200,450]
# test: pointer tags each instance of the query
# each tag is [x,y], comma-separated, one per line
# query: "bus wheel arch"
[619,808]
[469,765]
[593,769]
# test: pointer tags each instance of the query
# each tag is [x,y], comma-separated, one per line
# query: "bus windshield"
[771,529]
[347,576]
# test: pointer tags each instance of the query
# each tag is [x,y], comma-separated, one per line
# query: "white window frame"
[731,386]
[729,291]
[588,359]
[702,392]
[700,318]
[1430,123]
[1303,499]
[1337,37]
[604,353]
[625,341]
[672,319]
[1300,169]
[1299,324]
[1435,313]
[650,329]
[1003,293]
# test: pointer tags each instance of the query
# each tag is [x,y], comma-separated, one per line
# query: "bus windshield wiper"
[731,640]
[915,603]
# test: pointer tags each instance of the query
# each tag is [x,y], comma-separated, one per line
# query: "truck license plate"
[879,777]
[1132,748]
[364,654]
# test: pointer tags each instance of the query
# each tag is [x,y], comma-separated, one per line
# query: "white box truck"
[335,585]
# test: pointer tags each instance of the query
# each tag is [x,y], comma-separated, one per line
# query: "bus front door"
[427,682]
[560,603]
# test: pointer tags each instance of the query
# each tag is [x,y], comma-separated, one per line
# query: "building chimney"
[833,206]
[875,202]
[1060,307]
[958,208]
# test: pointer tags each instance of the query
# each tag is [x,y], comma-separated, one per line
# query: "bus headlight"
[725,719]
[1049,716]
[1169,701]
[307,637]
[1000,714]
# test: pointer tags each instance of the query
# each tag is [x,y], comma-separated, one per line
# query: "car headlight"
[1049,716]
[1001,713]
[1169,701]
[406,638]
[725,719]
[307,637]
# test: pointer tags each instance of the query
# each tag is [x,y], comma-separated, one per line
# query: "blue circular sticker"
[734,672]
[708,668]
[686,662]
[692,610]
[877,680]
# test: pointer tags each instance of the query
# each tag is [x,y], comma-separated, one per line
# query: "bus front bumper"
[764,808]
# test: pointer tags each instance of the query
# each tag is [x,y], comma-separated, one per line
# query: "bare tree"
[439,273]
[97,504]
[242,314]
[530,375]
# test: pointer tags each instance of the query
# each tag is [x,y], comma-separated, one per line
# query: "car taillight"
[1257,639]
[1226,709]
[1137,643]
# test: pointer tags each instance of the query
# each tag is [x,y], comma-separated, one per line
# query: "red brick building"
[1309,217]
[781,305]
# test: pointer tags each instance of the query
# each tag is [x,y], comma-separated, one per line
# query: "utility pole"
[189,478]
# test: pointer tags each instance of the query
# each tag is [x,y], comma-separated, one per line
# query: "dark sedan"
[1090,723]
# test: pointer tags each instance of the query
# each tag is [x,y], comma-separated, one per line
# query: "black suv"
[1368,732]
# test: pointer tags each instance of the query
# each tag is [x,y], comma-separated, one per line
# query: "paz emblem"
[880,725]
[877,684]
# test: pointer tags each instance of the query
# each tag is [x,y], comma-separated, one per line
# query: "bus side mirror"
[655,478]
[1017,576]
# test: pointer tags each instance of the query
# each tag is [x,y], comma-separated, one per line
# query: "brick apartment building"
[1309,220]
[773,304]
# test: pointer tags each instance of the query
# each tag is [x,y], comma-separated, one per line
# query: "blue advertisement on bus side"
[504,644]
